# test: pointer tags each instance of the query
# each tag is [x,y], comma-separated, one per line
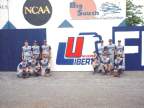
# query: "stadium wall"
[90,20]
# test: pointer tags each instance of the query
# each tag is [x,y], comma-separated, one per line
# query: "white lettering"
[127,35]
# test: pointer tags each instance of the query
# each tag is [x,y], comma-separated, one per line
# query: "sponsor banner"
[51,13]
[96,9]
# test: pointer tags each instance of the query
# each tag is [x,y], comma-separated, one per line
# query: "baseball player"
[31,65]
[26,51]
[111,49]
[45,66]
[118,66]
[22,70]
[45,50]
[96,64]
[37,71]
[120,51]
[36,50]
[106,61]
[101,48]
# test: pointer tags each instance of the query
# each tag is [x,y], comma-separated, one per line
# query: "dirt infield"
[72,90]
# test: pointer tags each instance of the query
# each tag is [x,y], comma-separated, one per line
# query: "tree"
[133,13]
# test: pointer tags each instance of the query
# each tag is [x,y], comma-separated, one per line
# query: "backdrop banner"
[74,27]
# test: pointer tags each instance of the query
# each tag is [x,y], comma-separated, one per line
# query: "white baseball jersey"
[22,65]
[33,63]
[36,49]
[105,57]
[111,49]
[100,49]
[44,63]
[26,51]
[45,49]
[120,49]
[118,63]
[105,60]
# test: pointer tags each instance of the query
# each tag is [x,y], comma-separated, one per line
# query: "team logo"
[110,8]
[68,55]
[82,10]
[37,12]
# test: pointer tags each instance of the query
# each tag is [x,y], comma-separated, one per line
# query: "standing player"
[111,49]
[36,50]
[45,50]
[26,52]
[119,49]
[101,48]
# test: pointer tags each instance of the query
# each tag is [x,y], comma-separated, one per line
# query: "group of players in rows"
[109,59]
[35,60]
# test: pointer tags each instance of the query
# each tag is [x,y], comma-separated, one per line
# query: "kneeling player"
[22,70]
[34,67]
[45,66]
[37,70]
[105,59]
[96,64]
[118,66]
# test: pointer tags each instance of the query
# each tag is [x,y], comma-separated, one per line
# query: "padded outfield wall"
[74,27]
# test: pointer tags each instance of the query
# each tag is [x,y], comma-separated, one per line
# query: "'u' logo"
[78,47]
